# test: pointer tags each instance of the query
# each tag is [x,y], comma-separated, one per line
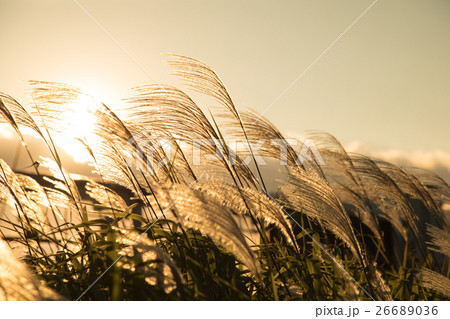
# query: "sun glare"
[81,116]
[81,119]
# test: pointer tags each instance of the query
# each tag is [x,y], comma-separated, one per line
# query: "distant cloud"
[437,161]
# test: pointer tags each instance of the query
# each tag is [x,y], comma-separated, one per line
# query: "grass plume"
[151,223]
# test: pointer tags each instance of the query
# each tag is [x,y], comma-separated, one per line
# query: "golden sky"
[384,84]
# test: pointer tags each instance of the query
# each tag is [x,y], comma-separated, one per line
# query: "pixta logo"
[157,150]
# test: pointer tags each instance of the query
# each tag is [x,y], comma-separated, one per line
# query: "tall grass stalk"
[138,230]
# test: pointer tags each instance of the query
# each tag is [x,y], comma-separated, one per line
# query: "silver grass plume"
[164,113]
[313,196]
[112,166]
[55,103]
[195,210]
[381,288]
[440,239]
[246,200]
[166,160]
[386,197]
[259,128]
[437,187]
[17,282]
[38,208]
[105,196]
[16,115]
[166,108]
[15,194]
[346,183]
[57,204]
[201,78]
[53,203]
[110,203]
[145,257]
[412,186]
[434,281]
[65,181]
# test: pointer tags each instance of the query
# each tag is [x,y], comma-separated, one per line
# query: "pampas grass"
[355,228]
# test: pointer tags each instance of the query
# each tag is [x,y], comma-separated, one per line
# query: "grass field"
[166,219]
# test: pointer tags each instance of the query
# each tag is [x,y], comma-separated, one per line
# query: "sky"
[381,86]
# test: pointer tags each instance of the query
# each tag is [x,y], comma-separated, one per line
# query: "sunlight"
[80,114]
[101,88]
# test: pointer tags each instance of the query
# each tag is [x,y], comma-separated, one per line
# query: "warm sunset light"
[275,151]
[81,120]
